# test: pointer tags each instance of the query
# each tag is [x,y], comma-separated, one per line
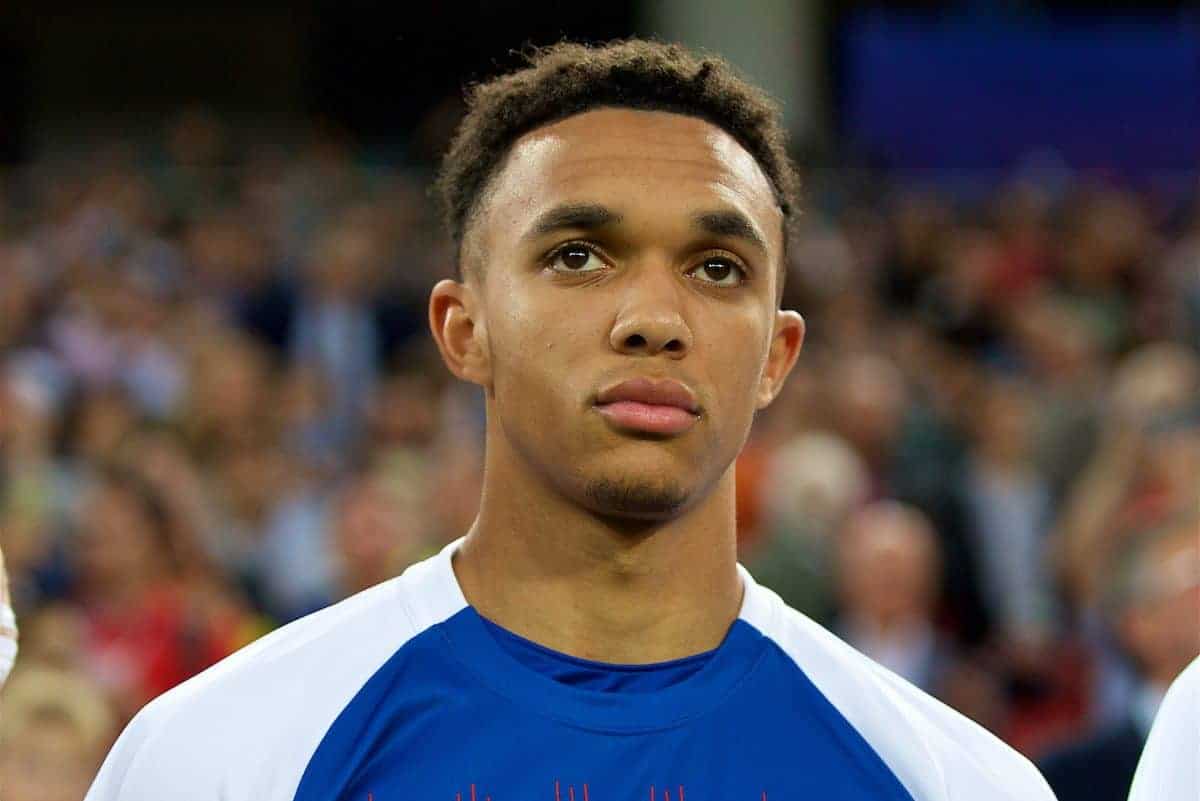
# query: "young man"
[621,214]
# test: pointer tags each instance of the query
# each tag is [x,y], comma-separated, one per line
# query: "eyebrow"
[732,224]
[585,216]
[592,216]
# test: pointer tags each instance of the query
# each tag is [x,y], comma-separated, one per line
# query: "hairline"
[487,187]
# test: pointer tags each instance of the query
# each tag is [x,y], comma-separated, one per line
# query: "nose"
[651,323]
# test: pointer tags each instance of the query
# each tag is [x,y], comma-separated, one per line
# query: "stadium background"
[220,409]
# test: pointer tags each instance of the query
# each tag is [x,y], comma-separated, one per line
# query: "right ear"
[459,331]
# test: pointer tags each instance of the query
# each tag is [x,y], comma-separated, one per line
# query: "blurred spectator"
[1144,467]
[228,402]
[55,728]
[142,636]
[869,398]
[215,417]
[334,330]
[378,531]
[887,571]
[920,222]
[812,482]
[1181,286]
[956,301]
[1010,511]
[54,636]
[1155,610]
[1105,244]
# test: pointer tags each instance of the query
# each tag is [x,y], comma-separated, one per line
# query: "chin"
[637,499]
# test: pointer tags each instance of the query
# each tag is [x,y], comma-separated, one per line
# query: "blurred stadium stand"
[219,407]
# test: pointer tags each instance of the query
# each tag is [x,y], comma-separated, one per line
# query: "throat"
[618,610]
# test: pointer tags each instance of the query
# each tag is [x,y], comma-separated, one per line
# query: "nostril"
[674,346]
[636,341]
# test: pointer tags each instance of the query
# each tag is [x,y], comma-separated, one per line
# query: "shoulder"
[1177,717]
[935,752]
[246,727]
[1170,765]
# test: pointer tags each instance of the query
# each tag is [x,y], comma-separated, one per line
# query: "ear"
[459,331]
[786,341]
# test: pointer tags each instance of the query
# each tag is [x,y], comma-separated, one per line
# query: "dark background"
[991,77]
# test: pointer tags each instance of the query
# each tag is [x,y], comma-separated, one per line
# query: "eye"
[719,272]
[574,257]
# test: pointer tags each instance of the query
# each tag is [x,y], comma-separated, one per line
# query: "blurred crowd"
[220,410]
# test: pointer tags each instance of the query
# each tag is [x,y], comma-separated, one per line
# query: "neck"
[542,566]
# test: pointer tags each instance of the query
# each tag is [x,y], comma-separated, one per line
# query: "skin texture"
[599,542]
[1159,628]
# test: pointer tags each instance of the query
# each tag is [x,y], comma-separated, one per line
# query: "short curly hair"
[570,78]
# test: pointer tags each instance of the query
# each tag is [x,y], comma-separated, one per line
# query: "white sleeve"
[977,765]
[126,761]
[246,728]
[1170,766]
[936,753]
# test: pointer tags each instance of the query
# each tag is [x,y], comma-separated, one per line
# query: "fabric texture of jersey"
[404,692]
[590,675]
[1170,766]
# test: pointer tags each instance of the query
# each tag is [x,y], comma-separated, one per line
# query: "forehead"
[625,156]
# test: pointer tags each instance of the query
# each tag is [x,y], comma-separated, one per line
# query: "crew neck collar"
[474,646]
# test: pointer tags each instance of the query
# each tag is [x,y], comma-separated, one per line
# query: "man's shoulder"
[1169,769]
[937,753]
[261,712]
[313,653]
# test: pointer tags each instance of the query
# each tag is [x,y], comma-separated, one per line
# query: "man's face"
[618,245]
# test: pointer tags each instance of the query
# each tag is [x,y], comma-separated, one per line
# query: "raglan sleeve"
[974,764]
[123,762]
[130,772]
[1169,769]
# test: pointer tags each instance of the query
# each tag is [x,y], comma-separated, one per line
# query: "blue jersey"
[404,693]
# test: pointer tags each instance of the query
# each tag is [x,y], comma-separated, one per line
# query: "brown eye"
[717,270]
[720,272]
[575,259]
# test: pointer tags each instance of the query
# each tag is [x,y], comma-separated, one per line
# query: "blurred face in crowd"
[888,565]
[232,383]
[226,253]
[617,245]
[1003,432]
[869,398]
[374,533]
[50,761]
[346,265]
[402,411]
[17,301]
[105,419]
[1161,626]
[117,538]
[252,478]
[1173,461]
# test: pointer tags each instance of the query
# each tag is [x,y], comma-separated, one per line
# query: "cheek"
[536,348]
[733,356]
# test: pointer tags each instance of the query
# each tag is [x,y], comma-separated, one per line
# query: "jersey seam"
[908,794]
[478,678]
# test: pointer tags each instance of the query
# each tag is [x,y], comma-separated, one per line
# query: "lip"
[664,406]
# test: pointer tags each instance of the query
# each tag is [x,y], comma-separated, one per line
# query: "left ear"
[786,341]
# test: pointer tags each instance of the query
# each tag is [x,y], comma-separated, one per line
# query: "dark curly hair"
[570,78]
